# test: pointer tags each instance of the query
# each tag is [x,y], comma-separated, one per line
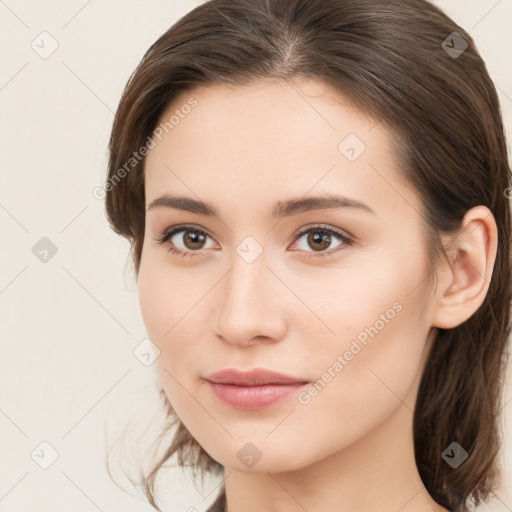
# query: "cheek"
[164,294]
[376,353]
[170,304]
[368,369]
[161,308]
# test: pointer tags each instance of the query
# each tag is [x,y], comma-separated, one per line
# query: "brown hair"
[394,60]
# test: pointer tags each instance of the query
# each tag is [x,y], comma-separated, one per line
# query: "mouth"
[255,389]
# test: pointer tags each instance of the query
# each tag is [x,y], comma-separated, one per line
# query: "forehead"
[271,138]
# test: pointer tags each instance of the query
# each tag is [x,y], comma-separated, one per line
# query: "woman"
[316,194]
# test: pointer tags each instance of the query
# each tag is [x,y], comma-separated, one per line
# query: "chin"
[259,457]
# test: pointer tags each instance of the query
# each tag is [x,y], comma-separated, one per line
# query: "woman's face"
[248,291]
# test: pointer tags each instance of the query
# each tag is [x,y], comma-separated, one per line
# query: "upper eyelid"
[178,228]
[325,227]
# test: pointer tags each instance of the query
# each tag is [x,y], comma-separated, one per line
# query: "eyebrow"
[281,209]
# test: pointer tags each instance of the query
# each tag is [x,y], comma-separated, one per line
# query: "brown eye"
[320,238]
[193,240]
[188,240]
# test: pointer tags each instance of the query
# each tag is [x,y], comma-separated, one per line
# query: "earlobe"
[464,285]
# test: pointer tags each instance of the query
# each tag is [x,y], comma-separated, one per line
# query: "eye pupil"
[318,237]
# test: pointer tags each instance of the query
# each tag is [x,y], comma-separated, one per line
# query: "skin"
[244,148]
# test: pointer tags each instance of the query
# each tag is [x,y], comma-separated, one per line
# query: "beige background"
[69,326]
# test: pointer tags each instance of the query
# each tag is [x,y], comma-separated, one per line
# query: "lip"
[255,389]
[255,377]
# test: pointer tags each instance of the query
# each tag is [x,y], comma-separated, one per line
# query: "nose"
[251,304]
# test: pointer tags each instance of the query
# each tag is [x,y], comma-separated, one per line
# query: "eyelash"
[347,240]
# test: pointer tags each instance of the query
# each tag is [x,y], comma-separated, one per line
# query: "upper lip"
[255,377]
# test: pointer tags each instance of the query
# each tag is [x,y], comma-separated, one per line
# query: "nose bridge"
[248,306]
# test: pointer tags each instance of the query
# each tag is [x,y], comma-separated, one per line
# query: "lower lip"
[254,397]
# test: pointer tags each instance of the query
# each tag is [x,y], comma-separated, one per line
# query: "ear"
[463,282]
